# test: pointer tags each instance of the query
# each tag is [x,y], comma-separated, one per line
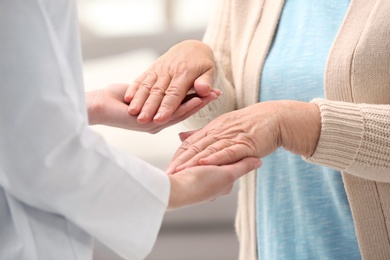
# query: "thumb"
[202,85]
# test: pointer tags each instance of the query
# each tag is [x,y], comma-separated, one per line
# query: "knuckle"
[185,145]
[145,86]
[135,83]
[151,74]
[146,83]
[194,149]
[214,133]
[211,149]
[158,91]
[173,90]
[248,144]
[230,153]
[179,67]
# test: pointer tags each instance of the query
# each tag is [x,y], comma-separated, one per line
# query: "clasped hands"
[254,131]
[226,148]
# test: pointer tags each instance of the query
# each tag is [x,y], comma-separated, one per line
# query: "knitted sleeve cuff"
[342,132]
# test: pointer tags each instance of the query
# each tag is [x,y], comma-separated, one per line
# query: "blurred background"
[120,39]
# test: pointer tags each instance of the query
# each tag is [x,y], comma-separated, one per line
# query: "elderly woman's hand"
[157,93]
[107,106]
[255,131]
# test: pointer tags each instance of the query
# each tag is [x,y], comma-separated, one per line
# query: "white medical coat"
[61,185]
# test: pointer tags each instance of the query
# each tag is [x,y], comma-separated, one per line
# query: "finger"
[202,84]
[119,118]
[226,155]
[216,91]
[174,95]
[202,88]
[181,156]
[153,101]
[189,153]
[186,110]
[244,166]
[132,89]
[192,106]
[142,93]
[208,147]
[189,96]
[189,108]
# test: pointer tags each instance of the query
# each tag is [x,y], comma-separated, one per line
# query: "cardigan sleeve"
[355,138]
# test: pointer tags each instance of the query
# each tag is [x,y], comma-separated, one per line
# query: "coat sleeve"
[49,157]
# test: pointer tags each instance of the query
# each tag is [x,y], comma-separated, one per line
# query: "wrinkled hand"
[255,131]
[205,183]
[107,106]
[157,93]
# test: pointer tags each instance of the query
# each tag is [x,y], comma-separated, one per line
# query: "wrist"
[300,127]
[94,108]
[174,200]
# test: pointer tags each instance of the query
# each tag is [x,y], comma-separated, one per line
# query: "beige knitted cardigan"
[355,134]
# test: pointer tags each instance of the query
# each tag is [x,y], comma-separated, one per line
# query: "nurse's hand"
[158,92]
[254,131]
[205,183]
[107,106]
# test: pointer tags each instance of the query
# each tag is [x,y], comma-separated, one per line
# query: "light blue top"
[302,209]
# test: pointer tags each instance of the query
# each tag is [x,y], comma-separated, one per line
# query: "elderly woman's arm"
[348,137]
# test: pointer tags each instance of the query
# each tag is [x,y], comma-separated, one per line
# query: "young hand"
[107,106]
[205,183]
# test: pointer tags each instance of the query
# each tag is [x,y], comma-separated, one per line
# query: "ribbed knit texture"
[341,134]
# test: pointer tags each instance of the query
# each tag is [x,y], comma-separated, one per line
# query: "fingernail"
[142,115]
[133,106]
[179,168]
[158,116]
[219,92]
[169,170]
